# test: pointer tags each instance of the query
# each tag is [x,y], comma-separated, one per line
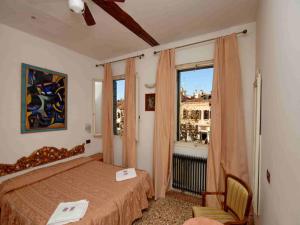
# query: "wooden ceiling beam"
[120,15]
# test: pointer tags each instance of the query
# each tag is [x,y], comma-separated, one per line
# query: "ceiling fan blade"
[87,15]
[116,12]
[114,0]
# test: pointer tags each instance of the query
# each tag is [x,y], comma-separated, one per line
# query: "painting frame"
[148,99]
[25,68]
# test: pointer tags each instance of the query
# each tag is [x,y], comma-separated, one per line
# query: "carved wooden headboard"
[40,157]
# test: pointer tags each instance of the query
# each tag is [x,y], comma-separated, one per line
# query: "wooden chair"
[236,206]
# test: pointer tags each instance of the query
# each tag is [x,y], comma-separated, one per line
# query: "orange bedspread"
[30,199]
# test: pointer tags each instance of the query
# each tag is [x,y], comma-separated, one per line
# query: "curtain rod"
[199,42]
[138,56]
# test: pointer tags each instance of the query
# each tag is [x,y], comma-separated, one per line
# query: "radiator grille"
[189,173]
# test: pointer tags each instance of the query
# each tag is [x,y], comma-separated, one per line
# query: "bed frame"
[40,157]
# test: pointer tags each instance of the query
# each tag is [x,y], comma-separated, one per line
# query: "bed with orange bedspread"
[30,199]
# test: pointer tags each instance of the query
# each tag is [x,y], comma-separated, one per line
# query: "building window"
[118,106]
[206,114]
[185,114]
[194,103]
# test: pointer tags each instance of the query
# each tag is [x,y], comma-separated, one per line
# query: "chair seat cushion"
[213,213]
[201,221]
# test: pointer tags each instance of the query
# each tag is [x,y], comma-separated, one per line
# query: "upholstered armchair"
[236,205]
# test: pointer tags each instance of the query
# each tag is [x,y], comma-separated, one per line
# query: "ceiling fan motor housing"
[76,6]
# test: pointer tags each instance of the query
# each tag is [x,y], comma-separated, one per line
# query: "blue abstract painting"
[44,100]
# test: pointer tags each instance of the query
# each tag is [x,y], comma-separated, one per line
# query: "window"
[206,114]
[118,105]
[194,100]
[97,107]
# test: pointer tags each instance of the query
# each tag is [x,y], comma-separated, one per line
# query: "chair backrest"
[238,196]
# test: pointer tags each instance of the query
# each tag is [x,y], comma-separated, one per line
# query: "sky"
[191,81]
[120,89]
[200,79]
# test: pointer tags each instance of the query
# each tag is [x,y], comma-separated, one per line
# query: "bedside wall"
[18,47]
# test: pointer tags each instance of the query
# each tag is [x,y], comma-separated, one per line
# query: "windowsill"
[193,149]
[196,146]
[117,135]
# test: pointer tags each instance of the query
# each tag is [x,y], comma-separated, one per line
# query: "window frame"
[182,68]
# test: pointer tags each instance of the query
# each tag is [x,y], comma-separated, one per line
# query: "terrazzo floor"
[173,210]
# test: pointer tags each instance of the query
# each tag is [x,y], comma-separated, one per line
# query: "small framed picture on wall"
[150,102]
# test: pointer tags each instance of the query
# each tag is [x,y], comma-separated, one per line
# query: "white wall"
[146,69]
[17,47]
[278,55]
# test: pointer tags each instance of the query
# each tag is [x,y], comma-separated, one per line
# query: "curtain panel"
[227,148]
[164,124]
[107,116]
[129,132]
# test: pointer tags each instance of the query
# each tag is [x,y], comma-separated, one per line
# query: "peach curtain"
[227,149]
[164,122]
[107,116]
[129,132]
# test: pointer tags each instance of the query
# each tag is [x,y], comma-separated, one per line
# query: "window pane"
[194,87]
[98,106]
[118,110]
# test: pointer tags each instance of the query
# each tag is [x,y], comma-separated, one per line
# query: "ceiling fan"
[81,7]
[110,6]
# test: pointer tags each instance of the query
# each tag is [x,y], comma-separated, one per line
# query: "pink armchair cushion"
[201,221]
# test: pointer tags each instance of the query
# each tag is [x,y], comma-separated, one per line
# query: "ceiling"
[165,20]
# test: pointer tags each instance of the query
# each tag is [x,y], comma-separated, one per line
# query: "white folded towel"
[125,174]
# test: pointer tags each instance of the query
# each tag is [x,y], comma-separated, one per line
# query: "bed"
[30,199]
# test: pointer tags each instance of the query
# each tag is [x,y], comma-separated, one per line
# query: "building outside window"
[118,106]
[194,104]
